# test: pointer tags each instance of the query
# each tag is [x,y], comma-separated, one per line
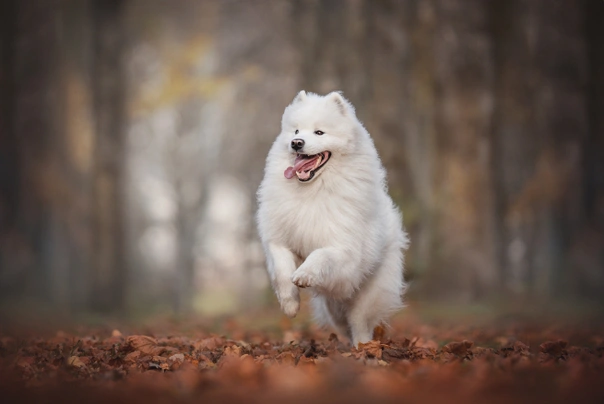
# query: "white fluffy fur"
[339,234]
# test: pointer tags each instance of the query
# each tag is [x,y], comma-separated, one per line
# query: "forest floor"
[436,356]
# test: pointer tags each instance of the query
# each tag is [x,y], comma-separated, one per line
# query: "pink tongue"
[289,173]
[300,164]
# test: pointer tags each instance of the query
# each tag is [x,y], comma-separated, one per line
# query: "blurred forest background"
[133,135]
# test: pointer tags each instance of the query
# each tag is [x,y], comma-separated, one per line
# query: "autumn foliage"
[518,362]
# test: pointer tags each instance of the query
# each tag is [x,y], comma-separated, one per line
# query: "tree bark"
[109,275]
[9,152]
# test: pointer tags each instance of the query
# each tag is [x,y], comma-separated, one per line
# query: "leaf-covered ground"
[417,360]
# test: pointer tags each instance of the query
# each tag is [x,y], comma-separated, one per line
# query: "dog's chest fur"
[310,217]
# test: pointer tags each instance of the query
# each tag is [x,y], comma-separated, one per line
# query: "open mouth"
[305,166]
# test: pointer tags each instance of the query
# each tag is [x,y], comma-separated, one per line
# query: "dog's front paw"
[305,278]
[290,306]
[289,299]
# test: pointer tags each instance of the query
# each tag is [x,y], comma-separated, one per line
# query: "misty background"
[133,135]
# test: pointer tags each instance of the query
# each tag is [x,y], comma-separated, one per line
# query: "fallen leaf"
[145,344]
[521,348]
[378,333]
[159,366]
[553,347]
[25,361]
[393,353]
[233,350]
[458,348]
[177,357]
[373,349]
[208,344]
[205,362]
[422,343]
[132,356]
[75,362]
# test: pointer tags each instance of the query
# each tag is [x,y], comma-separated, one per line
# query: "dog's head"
[314,130]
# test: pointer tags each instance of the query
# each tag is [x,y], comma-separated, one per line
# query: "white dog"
[326,220]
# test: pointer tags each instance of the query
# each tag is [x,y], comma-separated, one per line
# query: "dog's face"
[315,130]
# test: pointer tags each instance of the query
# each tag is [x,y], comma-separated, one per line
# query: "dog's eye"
[297,131]
[319,132]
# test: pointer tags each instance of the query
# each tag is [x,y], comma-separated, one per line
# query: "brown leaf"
[372,349]
[205,362]
[132,356]
[159,366]
[24,362]
[378,333]
[75,362]
[393,353]
[521,348]
[423,343]
[208,344]
[160,363]
[177,357]
[458,348]
[145,344]
[553,347]
[233,350]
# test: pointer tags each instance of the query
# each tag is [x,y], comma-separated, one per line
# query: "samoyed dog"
[326,220]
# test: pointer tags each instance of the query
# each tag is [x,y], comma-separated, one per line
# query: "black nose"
[297,144]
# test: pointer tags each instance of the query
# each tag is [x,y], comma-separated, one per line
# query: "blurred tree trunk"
[515,142]
[539,126]
[9,163]
[330,37]
[46,171]
[587,258]
[35,127]
[109,274]
[593,167]
[464,75]
[73,155]
[185,262]
[418,127]
[562,128]
[188,205]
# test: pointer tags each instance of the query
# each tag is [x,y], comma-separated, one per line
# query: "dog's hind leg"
[328,312]
[281,265]
[379,297]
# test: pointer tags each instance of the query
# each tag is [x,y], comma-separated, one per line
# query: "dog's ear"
[341,103]
[300,97]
